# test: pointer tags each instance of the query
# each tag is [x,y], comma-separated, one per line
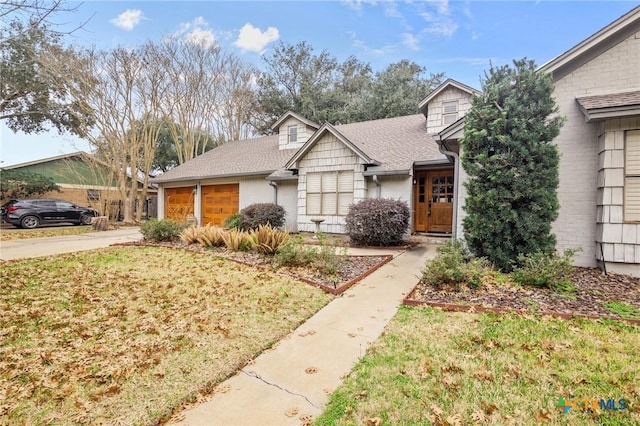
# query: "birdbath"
[317,221]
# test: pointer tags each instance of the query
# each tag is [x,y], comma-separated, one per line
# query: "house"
[597,88]
[85,181]
[316,171]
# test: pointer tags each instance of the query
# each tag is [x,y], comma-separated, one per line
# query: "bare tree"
[122,95]
[37,13]
[237,101]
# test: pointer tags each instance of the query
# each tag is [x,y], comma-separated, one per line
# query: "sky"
[458,38]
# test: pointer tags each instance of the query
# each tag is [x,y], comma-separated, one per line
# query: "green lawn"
[435,367]
[124,335]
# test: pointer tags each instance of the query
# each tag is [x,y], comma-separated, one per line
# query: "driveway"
[36,247]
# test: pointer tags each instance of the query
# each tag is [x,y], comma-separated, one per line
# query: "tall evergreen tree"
[512,165]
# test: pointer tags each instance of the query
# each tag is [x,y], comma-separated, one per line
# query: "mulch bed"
[593,290]
[352,270]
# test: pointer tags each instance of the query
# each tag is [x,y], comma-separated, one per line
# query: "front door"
[433,201]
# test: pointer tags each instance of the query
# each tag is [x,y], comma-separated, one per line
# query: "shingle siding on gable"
[304,133]
[434,117]
[328,154]
[579,223]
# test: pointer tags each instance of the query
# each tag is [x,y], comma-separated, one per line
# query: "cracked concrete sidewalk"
[291,383]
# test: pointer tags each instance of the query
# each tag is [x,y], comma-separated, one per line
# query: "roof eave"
[203,177]
[599,114]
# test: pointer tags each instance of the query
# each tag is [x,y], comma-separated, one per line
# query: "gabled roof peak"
[291,114]
[620,29]
[446,84]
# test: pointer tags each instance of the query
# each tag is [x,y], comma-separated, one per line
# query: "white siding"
[435,107]
[288,198]
[327,155]
[255,190]
[615,70]
[304,133]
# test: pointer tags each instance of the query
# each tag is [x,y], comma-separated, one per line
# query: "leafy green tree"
[21,184]
[398,89]
[512,165]
[35,79]
[322,89]
[166,156]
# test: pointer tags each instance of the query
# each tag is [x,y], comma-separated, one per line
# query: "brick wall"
[616,70]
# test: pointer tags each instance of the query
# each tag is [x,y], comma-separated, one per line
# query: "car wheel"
[85,219]
[30,222]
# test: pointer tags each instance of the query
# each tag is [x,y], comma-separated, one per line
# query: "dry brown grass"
[10,234]
[434,367]
[125,335]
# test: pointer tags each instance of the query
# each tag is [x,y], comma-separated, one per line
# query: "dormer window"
[293,133]
[449,112]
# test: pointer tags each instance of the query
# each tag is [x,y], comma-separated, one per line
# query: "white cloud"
[438,17]
[363,46]
[128,19]
[204,38]
[255,40]
[410,41]
[197,32]
[357,4]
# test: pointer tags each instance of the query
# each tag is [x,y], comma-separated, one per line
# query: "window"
[64,205]
[93,195]
[293,134]
[329,193]
[632,177]
[449,112]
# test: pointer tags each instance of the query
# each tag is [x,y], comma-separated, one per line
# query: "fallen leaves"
[78,329]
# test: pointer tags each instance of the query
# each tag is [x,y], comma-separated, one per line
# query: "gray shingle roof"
[247,157]
[394,142]
[610,100]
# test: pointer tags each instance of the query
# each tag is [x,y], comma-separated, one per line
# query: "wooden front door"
[219,202]
[433,201]
[178,203]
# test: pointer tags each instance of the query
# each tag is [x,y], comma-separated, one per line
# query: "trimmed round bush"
[254,215]
[377,222]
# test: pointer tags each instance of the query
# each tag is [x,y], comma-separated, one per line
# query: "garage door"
[178,203]
[219,202]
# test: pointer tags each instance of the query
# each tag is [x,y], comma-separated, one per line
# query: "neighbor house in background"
[85,181]
[316,171]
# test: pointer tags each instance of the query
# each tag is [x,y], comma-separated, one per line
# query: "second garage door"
[219,202]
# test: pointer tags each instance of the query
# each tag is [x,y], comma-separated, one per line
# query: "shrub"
[162,230]
[547,271]
[190,235]
[453,265]
[237,240]
[251,217]
[267,240]
[377,222]
[232,221]
[329,258]
[293,252]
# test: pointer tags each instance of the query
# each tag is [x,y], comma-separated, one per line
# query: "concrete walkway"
[291,383]
[47,246]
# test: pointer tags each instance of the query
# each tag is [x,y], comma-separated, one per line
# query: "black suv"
[32,213]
